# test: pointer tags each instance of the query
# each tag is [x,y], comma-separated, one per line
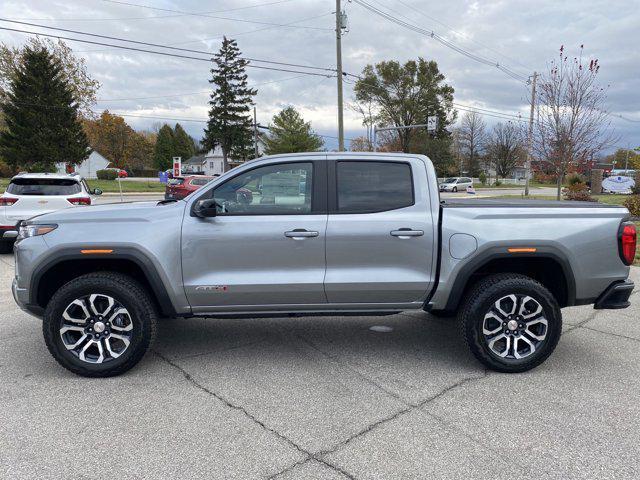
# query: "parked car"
[179,187]
[31,194]
[456,184]
[368,234]
[121,173]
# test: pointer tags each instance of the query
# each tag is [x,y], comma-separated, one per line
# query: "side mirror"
[205,208]
[97,191]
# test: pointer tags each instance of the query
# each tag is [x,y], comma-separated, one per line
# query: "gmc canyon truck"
[320,233]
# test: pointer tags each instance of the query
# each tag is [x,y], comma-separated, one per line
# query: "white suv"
[30,194]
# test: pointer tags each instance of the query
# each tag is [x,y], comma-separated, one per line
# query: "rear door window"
[200,181]
[43,186]
[367,187]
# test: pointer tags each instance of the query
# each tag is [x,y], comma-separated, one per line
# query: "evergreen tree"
[230,120]
[41,115]
[163,152]
[182,144]
[289,133]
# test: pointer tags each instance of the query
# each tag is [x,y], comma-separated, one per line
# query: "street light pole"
[530,137]
[339,75]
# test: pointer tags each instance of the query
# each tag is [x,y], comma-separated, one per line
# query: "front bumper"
[616,296]
[21,296]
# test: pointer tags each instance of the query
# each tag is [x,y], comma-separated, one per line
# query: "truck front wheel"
[99,324]
[510,322]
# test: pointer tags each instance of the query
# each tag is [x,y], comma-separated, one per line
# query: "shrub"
[633,205]
[483,178]
[498,182]
[575,179]
[106,174]
[578,192]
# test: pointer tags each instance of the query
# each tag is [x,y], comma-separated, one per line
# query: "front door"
[266,246]
[381,234]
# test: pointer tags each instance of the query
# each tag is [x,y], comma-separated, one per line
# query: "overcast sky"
[522,35]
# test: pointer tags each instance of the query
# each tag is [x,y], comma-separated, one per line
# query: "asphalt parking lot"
[323,398]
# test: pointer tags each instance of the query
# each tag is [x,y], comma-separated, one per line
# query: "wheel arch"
[548,266]
[69,264]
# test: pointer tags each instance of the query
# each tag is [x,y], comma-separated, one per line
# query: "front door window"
[283,189]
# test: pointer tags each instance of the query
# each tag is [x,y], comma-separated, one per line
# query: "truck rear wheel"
[510,322]
[99,324]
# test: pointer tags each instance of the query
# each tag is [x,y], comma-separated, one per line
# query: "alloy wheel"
[514,327]
[96,328]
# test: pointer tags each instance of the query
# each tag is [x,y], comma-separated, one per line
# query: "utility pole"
[530,137]
[339,75]
[255,131]
[626,162]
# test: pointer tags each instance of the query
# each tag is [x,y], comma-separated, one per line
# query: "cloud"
[523,35]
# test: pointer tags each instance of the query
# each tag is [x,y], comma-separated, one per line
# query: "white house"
[208,164]
[87,168]
[211,163]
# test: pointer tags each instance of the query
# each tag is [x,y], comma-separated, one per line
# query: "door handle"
[406,233]
[300,233]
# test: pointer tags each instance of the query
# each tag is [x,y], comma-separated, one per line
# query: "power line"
[452,30]
[192,93]
[157,45]
[441,40]
[166,54]
[153,17]
[195,14]
[469,108]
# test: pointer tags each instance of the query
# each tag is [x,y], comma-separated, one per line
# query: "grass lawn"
[111,186]
[479,186]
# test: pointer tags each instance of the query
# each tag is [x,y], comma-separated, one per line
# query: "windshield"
[43,186]
[175,181]
[450,180]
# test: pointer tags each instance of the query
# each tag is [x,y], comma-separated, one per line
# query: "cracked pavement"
[324,398]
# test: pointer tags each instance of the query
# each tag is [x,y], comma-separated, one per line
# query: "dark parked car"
[179,187]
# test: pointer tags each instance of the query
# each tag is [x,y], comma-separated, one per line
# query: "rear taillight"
[627,238]
[79,200]
[7,201]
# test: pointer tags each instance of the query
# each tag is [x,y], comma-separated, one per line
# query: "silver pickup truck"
[320,233]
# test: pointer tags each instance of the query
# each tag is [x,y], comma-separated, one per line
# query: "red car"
[180,187]
[119,172]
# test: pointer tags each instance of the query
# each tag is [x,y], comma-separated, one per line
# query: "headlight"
[27,231]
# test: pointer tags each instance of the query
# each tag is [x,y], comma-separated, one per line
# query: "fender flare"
[122,253]
[498,252]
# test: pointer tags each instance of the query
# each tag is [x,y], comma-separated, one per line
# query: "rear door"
[380,232]
[265,249]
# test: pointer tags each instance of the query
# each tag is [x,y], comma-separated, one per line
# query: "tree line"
[47,116]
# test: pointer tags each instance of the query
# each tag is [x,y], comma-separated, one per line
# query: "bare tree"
[571,123]
[505,146]
[366,110]
[471,138]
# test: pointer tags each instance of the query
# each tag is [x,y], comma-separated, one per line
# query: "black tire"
[481,299]
[454,189]
[124,290]
[6,247]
